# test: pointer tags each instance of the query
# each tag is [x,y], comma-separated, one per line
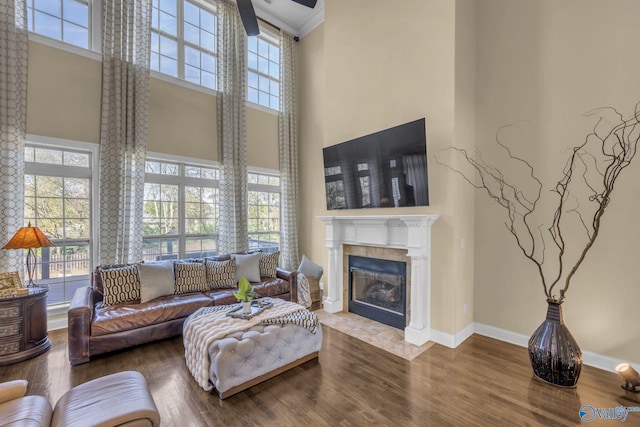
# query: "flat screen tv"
[381,170]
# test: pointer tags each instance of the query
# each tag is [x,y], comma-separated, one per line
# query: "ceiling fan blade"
[248,16]
[308,3]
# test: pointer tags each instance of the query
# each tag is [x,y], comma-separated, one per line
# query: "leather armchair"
[103,402]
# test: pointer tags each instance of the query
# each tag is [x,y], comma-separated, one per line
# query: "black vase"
[554,353]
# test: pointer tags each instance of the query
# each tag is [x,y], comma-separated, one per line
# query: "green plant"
[245,291]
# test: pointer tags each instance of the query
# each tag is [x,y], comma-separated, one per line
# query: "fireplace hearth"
[378,289]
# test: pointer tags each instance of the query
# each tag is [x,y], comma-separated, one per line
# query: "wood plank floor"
[484,382]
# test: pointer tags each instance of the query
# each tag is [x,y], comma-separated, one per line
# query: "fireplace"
[409,233]
[378,289]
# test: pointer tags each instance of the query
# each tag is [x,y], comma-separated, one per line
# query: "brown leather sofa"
[121,399]
[94,329]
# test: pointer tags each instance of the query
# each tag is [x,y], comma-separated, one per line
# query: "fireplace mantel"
[410,232]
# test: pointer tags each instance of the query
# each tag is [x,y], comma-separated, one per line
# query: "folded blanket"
[209,324]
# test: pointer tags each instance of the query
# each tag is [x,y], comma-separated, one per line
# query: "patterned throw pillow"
[190,277]
[221,274]
[120,285]
[268,264]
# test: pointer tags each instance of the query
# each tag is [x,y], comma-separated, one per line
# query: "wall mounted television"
[381,170]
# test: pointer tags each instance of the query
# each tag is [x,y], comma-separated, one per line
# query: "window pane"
[76,12]
[252,44]
[48,156]
[76,159]
[168,24]
[191,13]
[192,74]
[274,102]
[51,7]
[263,84]
[207,21]
[207,41]
[168,66]
[169,6]
[274,70]
[263,65]
[208,80]
[47,25]
[192,56]
[274,53]
[263,48]
[253,95]
[208,62]
[76,35]
[192,34]
[168,47]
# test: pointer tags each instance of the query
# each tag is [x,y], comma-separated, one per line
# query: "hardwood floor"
[483,382]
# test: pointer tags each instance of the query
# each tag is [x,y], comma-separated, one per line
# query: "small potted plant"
[245,294]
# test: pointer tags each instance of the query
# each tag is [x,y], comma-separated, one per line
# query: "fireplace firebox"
[378,290]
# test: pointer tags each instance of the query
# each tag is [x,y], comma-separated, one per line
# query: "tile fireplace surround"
[409,232]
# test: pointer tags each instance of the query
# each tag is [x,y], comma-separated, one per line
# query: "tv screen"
[384,169]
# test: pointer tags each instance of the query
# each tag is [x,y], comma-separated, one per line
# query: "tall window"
[180,210]
[264,211]
[58,196]
[64,20]
[183,40]
[264,71]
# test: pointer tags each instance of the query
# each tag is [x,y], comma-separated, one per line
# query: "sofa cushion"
[272,287]
[221,274]
[310,268]
[222,297]
[269,264]
[156,279]
[190,277]
[120,285]
[125,317]
[248,266]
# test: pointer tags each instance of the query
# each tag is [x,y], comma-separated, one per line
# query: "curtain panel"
[288,153]
[232,89]
[13,129]
[124,124]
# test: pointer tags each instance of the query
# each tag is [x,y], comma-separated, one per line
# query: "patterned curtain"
[287,143]
[13,125]
[123,138]
[232,89]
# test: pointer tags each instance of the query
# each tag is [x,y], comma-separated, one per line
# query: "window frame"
[94,49]
[32,168]
[269,36]
[266,188]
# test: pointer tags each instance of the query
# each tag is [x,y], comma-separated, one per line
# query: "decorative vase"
[554,353]
[246,307]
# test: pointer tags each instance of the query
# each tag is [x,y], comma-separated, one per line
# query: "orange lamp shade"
[27,238]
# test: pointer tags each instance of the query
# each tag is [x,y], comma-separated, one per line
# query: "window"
[264,211]
[264,71]
[180,212]
[64,20]
[183,40]
[58,200]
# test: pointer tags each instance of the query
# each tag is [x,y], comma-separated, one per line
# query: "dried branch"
[605,153]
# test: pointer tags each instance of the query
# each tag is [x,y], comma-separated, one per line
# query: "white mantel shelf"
[410,232]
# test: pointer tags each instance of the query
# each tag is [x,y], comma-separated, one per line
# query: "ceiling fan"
[248,14]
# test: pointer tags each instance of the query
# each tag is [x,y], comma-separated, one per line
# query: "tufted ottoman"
[231,354]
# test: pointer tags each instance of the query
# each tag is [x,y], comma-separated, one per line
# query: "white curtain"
[288,149]
[123,138]
[13,129]
[232,89]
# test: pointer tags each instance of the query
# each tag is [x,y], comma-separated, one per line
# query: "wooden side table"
[23,326]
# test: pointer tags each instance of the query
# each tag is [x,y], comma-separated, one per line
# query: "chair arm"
[79,316]
[292,278]
[11,390]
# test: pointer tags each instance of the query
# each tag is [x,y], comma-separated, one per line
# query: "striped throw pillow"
[190,277]
[120,285]
[221,274]
[268,264]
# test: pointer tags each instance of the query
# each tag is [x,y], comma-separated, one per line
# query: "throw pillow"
[268,264]
[120,285]
[248,266]
[310,268]
[221,274]
[190,277]
[156,279]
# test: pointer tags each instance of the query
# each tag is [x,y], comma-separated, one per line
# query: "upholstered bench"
[253,351]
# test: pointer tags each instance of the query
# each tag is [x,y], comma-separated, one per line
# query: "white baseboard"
[589,358]
[59,321]
[449,340]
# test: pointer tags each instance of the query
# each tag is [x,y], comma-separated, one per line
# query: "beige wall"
[64,95]
[384,65]
[548,62]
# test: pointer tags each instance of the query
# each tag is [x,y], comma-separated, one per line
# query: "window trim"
[267,33]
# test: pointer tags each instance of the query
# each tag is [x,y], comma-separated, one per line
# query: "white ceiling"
[290,16]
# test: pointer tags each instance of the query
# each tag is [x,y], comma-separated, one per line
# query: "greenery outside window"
[264,211]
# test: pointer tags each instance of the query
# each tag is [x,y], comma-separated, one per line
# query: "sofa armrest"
[292,278]
[11,390]
[80,315]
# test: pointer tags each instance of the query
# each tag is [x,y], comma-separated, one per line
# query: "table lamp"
[29,238]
